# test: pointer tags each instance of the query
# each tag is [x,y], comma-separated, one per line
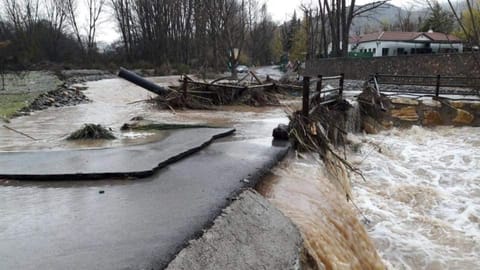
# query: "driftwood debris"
[19,132]
[225,93]
[194,94]
[92,132]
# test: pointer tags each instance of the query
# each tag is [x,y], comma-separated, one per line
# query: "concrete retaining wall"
[457,64]
[250,234]
[406,112]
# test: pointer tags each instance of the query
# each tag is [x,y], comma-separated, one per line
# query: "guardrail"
[321,96]
[469,84]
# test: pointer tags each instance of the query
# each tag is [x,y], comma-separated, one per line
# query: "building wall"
[455,64]
[377,47]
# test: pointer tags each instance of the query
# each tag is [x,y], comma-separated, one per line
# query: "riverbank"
[27,91]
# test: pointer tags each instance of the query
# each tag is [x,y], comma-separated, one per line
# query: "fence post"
[319,88]
[341,84]
[437,88]
[319,83]
[184,88]
[306,96]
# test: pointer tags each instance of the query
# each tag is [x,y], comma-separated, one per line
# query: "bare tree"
[471,26]
[94,9]
[56,16]
[125,19]
[71,10]
[340,17]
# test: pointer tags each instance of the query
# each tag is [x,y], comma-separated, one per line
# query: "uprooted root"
[92,132]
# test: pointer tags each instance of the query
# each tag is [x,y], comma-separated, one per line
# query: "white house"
[404,43]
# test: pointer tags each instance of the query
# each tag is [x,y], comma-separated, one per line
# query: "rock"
[475,106]
[457,104]
[432,103]
[281,132]
[404,101]
[387,124]
[57,98]
[408,113]
[463,117]
[432,118]
[369,125]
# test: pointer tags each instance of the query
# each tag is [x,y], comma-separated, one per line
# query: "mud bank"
[250,234]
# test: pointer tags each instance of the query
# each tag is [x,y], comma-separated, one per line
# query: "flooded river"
[115,102]
[422,196]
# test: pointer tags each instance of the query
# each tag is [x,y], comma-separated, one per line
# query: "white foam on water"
[422,196]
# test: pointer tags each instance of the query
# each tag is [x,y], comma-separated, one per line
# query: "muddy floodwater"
[335,238]
[115,102]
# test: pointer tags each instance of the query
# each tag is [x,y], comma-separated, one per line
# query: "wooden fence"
[321,95]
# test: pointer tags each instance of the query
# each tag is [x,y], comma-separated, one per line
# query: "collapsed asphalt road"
[131,161]
[126,224]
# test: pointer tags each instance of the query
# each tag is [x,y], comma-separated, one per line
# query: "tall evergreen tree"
[440,20]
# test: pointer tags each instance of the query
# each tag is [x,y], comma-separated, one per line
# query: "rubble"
[63,96]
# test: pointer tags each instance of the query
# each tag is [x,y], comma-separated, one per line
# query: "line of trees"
[199,33]
[195,32]
[48,30]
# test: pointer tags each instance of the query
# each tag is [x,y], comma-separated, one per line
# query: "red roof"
[405,36]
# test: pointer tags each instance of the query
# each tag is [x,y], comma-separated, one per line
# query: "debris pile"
[92,132]
[206,97]
[195,94]
[259,98]
[57,98]
[323,132]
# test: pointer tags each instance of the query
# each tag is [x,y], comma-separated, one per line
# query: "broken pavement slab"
[135,161]
[250,234]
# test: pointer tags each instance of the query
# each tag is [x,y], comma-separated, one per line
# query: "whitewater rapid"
[422,195]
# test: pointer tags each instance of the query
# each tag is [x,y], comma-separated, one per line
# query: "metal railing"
[441,84]
[321,96]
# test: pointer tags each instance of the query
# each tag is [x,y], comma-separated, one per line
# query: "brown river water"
[421,195]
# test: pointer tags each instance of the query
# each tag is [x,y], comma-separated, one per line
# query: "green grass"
[12,103]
